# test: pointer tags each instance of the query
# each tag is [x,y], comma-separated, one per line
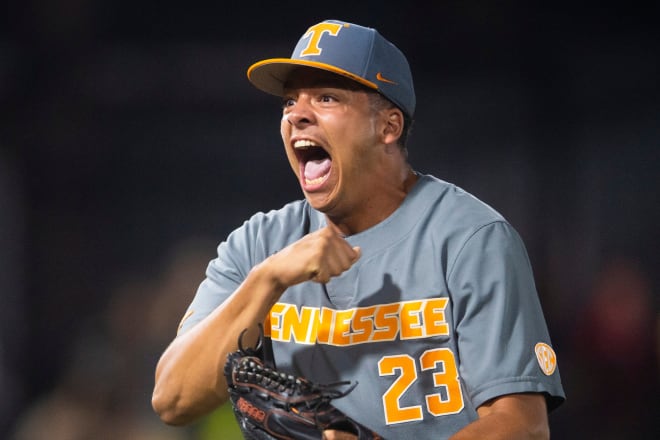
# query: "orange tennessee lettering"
[363,325]
[267,324]
[325,325]
[275,325]
[298,325]
[434,317]
[341,332]
[410,320]
[316,32]
[386,322]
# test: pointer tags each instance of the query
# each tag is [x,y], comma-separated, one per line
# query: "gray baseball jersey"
[439,315]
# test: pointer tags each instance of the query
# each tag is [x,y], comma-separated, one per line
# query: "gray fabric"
[442,283]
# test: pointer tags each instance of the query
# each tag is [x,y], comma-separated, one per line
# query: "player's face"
[334,141]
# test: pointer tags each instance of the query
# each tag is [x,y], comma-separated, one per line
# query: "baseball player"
[382,276]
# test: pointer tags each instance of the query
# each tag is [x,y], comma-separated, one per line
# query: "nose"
[300,113]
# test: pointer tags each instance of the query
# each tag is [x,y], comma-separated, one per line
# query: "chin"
[323,205]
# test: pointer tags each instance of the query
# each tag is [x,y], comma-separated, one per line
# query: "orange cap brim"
[271,74]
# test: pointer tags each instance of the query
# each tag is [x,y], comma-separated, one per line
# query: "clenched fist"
[318,256]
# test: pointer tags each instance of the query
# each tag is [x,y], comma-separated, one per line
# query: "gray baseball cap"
[357,52]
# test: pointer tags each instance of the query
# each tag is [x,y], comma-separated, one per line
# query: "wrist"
[265,273]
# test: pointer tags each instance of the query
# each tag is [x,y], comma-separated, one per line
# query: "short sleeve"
[502,337]
[260,236]
[223,276]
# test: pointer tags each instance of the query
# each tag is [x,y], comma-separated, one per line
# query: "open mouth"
[315,162]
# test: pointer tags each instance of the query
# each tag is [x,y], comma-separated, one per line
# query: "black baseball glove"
[270,404]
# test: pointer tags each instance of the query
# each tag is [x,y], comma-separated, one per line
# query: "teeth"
[304,143]
[315,181]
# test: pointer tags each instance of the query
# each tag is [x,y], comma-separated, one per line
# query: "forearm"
[496,428]
[189,380]
[513,417]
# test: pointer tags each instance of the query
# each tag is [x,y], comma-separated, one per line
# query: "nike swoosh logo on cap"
[380,77]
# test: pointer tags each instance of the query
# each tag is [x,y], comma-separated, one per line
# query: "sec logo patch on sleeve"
[546,357]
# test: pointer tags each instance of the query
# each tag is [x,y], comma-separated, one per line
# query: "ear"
[393,127]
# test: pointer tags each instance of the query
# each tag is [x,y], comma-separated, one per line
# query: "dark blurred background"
[131,144]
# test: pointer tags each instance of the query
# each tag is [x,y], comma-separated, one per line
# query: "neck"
[376,209]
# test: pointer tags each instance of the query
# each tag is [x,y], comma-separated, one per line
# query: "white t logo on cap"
[316,32]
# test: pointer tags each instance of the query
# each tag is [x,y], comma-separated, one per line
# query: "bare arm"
[189,379]
[189,382]
[510,417]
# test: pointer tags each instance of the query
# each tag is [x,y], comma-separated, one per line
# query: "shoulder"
[293,214]
[277,227]
[264,233]
[456,221]
[454,206]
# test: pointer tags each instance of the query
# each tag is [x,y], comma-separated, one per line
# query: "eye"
[287,102]
[327,98]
